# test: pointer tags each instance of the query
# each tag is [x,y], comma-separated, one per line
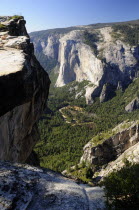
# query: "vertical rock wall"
[24,87]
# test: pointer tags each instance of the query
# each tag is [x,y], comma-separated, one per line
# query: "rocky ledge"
[23,93]
[112,144]
[113,149]
[26,187]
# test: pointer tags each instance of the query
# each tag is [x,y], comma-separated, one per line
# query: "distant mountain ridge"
[94,25]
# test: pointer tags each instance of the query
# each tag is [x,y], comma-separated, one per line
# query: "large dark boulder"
[24,87]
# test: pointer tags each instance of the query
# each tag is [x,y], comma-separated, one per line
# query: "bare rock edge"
[26,187]
[24,87]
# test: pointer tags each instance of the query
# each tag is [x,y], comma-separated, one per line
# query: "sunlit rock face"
[26,187]
[111,152]
[124,136]
[77,62]
[24,91]
[115,64]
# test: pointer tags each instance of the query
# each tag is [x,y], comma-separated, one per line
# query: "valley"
[62,143]
[88,118]
[91,100]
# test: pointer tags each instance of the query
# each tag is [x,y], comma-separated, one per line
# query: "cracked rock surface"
[26,187]
[24,87]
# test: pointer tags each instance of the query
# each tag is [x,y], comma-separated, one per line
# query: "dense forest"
[62,143]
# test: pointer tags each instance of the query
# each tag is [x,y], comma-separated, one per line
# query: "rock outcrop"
[131,154]
[115,62]
[133,105]
[26,187]
[107,92]
[121,138]
[77,62]
[24,91]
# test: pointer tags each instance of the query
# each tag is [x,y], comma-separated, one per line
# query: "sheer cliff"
[102,55]
[109,62]
[24,91]
[100,62]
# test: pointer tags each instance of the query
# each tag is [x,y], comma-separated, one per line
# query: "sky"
[47,14]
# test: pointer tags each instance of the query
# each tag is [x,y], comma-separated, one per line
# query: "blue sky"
[46,14]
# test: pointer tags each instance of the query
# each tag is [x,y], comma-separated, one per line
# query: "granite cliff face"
[26,187]
[115,63]
[122,143]
[24,91]
[74,62]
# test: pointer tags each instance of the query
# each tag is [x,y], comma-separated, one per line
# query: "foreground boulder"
[23,93]
[26,187]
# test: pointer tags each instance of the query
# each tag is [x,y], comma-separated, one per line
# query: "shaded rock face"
[15,27]
[108,91]
[33,159]
[133,105]
[116,62]
[23,93]
[131,154]
[49,46]
[112,147]
[26,187]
